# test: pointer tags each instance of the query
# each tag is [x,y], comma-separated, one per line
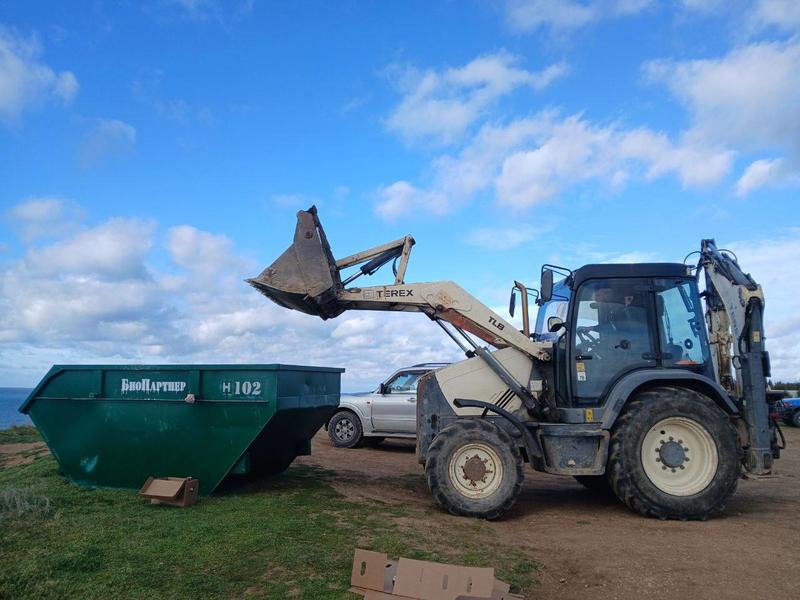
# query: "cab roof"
[607,271]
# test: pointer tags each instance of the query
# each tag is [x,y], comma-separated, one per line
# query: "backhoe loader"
[626,382]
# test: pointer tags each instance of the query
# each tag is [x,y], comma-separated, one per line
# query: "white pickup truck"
[389,411]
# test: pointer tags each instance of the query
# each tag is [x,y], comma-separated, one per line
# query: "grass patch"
[288,536]
[16,503]
[19,434]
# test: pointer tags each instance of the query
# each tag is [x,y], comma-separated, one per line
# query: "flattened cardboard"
[377,578]
[369,570]
[435,581]
[174,491]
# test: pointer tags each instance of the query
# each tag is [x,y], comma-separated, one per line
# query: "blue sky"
[153,154]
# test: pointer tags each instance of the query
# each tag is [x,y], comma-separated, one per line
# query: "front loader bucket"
[304,277]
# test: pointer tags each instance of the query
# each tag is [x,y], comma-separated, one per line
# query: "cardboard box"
[377,578]
[174,491]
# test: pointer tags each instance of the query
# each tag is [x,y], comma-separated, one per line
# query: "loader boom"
[307,278]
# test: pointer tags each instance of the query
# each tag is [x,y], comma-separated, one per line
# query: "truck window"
[403,382]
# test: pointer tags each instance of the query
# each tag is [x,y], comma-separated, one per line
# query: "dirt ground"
[592,546]
[12,455]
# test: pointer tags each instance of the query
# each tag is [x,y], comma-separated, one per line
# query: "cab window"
[403,382]
[611,334]
[680,322]
[554,308]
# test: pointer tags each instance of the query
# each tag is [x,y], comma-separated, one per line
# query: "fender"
[366,420]
[623,389]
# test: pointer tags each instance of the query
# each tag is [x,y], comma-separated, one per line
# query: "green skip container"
[114,426]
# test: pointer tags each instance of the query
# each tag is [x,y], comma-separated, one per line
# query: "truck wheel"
[474,469]
[344,429]
[596,483]
[673,455]
[796,418]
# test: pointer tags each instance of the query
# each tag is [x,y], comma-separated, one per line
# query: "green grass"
[288,536]
[19,434]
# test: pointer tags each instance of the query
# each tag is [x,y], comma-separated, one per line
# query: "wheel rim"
[476,470]
[679,456]
[344,430]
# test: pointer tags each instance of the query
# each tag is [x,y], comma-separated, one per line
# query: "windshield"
[556,307]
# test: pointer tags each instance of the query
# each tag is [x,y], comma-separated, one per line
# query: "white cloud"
[741,104]
[532,160]
[91,285]
[402,198]
[200,252]
[47,216]
[767,260]
[760,173]
[95,296]
[106,138]
[112,251]
[25,82]
[784,15]
[441,106]
[560,15]
[747,99]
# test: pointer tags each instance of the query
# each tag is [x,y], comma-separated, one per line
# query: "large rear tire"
[474,469]
[674,455]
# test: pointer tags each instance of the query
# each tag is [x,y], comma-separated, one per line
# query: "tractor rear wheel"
[673,455]
[474,469]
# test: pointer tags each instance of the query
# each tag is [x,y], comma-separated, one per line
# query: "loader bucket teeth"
[305,276]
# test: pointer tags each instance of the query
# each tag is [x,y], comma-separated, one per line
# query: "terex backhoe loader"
[621,383]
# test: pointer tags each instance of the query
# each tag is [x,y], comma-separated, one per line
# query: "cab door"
[395,410]
[611,334]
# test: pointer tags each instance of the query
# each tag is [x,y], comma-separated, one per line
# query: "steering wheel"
[587,337]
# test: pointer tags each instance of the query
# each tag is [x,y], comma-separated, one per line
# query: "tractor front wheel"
[474,469]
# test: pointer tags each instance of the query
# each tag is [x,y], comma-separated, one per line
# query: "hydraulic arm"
[735,318]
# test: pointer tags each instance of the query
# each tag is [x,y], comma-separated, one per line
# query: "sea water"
[10,401]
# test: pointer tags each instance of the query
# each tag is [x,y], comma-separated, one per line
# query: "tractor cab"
[607,321]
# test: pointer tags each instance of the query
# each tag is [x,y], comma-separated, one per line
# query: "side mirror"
[546,289]
[512,302]
[554,324]
[384,389]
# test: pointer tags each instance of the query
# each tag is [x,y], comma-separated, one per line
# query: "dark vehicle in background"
[788,409]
